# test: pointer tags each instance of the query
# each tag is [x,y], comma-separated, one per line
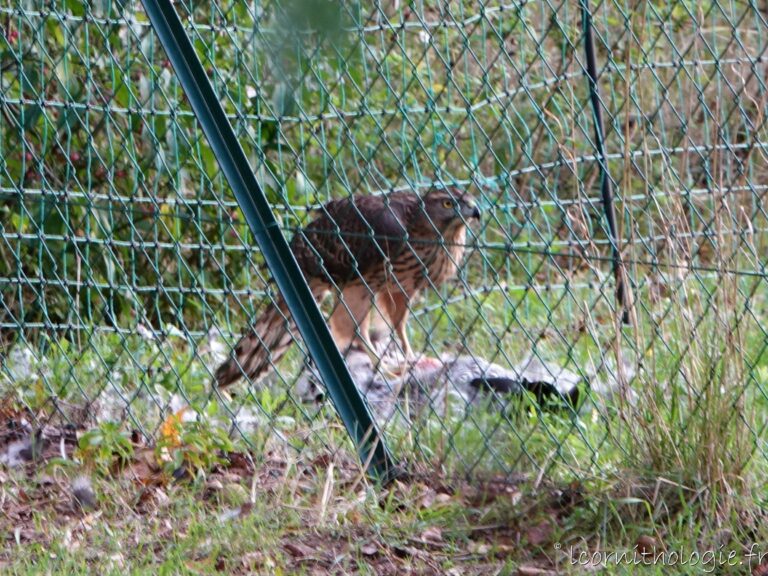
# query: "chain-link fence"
[127,272]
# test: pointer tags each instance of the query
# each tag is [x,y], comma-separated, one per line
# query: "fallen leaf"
[230,514]
[161,498]
[213,486]
[646,545]
[251,560]
[433,534]
[170,429]
[443,498]
[238,463]
[428,498]
[234,494]
[534,571]
[297,549]
[406,551]
[142,473]
[539,534]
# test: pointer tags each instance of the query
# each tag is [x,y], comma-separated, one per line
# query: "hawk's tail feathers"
[258,350]
[264,346]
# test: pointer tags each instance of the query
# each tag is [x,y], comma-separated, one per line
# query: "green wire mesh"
[127,272]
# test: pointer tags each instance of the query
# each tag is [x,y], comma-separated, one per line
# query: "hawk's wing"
[353,236]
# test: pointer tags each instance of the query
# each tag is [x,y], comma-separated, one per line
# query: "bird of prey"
[383,249]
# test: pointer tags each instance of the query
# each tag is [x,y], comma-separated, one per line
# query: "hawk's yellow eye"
[447,204]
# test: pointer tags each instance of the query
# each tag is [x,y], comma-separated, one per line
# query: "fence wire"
[127,273]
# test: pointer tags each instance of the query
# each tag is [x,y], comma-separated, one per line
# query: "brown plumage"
[386,248]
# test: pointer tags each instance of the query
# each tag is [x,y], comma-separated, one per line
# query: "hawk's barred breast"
[430,260]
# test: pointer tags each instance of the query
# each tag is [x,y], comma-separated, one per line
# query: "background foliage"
[123,253]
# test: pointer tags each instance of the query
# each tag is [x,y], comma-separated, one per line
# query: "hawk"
[366,249]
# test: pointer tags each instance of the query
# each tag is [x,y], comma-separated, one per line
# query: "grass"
[302,517]
[306,517]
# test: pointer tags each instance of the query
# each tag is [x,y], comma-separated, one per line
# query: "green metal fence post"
[277,254]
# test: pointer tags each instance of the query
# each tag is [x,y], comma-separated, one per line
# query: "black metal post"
[622,294]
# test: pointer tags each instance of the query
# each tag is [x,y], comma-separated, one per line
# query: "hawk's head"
[449,207]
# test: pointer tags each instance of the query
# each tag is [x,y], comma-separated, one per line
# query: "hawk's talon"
[377,362]
[386,372]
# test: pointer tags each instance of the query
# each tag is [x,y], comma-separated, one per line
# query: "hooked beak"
[470,211]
